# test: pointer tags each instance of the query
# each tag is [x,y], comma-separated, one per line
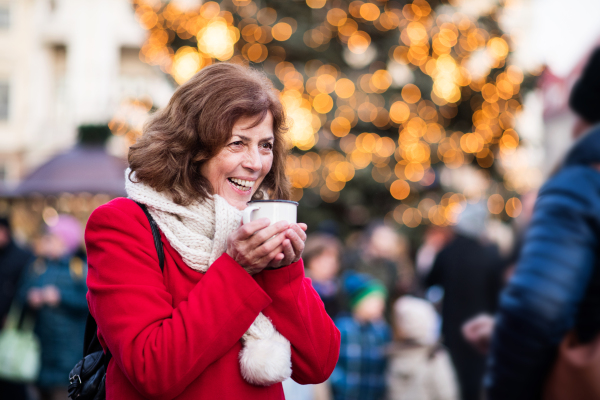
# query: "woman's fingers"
[301,231]
[273,259]
[288,251]
[267,247]
[267,233]
[297,238]
[302,226]
[249,229]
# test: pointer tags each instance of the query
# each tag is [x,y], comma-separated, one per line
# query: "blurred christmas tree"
[400,111]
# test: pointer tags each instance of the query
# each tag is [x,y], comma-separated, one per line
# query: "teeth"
[242,182]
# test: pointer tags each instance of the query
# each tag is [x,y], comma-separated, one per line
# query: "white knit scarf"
[199,234]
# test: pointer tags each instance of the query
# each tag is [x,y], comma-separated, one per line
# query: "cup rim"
[273,201]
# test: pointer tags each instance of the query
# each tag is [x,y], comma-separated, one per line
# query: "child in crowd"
[359,374]
[322,261]
[418,368]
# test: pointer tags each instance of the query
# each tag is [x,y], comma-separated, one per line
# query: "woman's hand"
[293,246]
[256,244]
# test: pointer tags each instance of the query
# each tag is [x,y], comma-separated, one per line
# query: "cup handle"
[248,213]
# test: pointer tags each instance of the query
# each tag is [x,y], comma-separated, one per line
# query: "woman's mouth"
[241,184]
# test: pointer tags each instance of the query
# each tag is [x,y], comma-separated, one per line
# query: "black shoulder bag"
[87,379]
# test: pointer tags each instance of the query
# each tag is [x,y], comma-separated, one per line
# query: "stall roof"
[81,169]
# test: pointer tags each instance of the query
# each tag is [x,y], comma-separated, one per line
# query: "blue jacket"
[60,329]
[556,285]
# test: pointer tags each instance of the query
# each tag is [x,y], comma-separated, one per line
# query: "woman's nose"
[252,160]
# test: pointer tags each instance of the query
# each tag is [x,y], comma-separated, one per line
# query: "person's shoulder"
[119,211]
[574,177]
[572,186]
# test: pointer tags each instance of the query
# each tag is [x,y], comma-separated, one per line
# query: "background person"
[54,286]
[321,256]
[419,368]
[231,316]
[13,261]
[556,285]
[469,269]
[365,335]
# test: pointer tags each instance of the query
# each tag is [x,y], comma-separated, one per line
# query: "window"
[4,16]
[3,100]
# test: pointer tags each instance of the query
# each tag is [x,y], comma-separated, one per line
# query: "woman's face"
[239,168]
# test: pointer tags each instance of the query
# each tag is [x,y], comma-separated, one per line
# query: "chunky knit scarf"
[199,234]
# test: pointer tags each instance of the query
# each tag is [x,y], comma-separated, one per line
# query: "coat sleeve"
[540,303]
[161,349]
[298,314]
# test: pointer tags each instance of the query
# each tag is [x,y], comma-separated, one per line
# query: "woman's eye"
[268,146]
[238,143]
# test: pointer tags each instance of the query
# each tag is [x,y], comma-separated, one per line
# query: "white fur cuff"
[264,362]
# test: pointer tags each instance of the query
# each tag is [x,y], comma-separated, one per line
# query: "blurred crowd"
[399,339]
[48,283]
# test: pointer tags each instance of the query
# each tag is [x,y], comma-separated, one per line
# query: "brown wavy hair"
[196,125]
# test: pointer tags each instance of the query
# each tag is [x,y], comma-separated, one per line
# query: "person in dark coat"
[54,286]
[556,285]
[470,272]
[13,261]
[322,254]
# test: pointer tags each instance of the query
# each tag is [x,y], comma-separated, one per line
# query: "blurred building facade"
[64,63]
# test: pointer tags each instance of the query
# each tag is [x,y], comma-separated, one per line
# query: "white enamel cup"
[275,210]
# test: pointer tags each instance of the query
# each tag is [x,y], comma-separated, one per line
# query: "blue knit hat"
[358,286]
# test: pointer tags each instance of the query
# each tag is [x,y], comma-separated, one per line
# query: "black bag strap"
[91,343]
[156,235]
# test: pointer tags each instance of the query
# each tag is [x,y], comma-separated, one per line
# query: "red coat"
[176,334]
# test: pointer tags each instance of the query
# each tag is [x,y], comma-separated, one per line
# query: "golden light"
[514,75]
[336,16]
[326,83]
[411,93]
[385,147]
[322,103]
[446,77]
[344,171]
[369,11]
[316,3]
[495,204]
[281,31]
[186,63]
[344,88]
[340,126]
[360,159]
[300,119]
[412,217]
[381,80]
[417,33]
[513,207]
[217,39]
[414,171]
[498,48]
[400,189]
[267,16]
[358,42]
[485,158]
[399,112]
[461,55]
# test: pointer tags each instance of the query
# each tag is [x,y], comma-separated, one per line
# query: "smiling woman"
[231,315]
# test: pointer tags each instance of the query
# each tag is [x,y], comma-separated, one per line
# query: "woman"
[197,330]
